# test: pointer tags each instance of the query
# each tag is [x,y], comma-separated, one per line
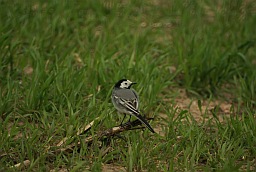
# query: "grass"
[60,59]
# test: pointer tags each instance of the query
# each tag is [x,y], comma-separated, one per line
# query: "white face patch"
[125,84]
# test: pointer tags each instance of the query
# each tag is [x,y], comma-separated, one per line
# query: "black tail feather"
[143,120]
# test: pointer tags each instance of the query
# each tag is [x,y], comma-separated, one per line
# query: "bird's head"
[124,83]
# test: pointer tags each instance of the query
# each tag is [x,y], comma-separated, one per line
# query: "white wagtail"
[126,101]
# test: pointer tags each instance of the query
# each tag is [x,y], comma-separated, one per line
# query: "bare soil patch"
[207,106]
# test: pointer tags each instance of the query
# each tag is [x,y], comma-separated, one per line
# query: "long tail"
[144,122]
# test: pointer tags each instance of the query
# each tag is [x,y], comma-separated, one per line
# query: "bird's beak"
[134,83]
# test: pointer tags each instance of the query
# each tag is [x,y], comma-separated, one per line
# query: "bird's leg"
[123,119]
[130,118]
[129,122]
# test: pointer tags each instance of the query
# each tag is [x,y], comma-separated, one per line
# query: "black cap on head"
[124,83]
[118,84]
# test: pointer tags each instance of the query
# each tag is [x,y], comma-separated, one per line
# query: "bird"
[126,101]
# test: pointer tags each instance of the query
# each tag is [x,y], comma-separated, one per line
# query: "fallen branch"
[107,133]
[80,131]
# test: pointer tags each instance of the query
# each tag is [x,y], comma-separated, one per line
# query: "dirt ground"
[186,103]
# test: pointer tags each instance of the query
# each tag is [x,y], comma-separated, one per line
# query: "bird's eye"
[125,83]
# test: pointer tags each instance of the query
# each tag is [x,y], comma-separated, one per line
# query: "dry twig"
[99,136]
[107,133]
